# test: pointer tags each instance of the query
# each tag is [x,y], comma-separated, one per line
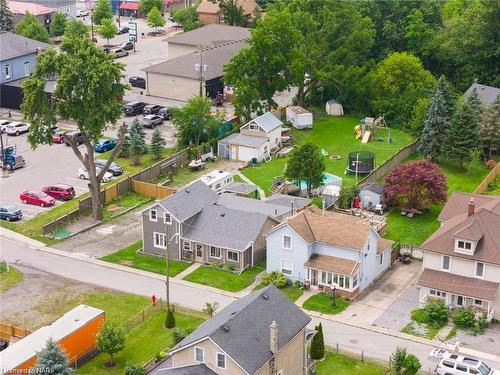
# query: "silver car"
[151,121]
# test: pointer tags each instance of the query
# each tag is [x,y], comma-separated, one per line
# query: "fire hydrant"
[153,298]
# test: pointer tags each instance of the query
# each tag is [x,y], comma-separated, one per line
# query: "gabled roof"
[241,330]
[210,7]
[374,187]
[18,7]
[472,232]
[240,188]
[267,122]
[458,204]
[209,35]
[332,264]
[244,140]
[287,200]
[487,94]
[14,45]
[198,369]
[190,200]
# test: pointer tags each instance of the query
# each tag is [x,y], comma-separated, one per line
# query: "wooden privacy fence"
[8,331]
[483,186]
[394,160]
[152,190]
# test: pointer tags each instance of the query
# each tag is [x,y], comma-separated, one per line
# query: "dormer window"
[464,245]
[253,127]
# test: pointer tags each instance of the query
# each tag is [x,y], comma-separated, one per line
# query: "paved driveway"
[375,300]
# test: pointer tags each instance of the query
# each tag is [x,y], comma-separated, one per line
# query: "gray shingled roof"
[199,369]
[487,94]
[189,200]
[240,188]
[223,227]
[13,45]
[374,187]
[267,121]
[242,328]
[286,200]
[254,205]
[244,140]
[210,35]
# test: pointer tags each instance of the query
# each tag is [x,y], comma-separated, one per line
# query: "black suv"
[75,135]
[133,108]
[165,113]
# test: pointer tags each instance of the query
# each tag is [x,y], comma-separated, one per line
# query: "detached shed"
[371,194]
[334,108]
[299,117]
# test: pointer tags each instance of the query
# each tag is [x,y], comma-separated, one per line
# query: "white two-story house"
[255,140]
[461,262]
[328,249]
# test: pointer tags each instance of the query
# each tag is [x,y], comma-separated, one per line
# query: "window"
[464,245]
[159,240]
[153,215]
[329,278]
[199,250]
[381,258]
[347,282]
[199,354]
[253,127]
[286,267]
[448,364]
[215,252]
[479,269]
[462,368]
[287,242]
[7,71]
[221,360]
[341,281]
[187,246]
[355,281]
[323,277]
[437,293]
[27,69]
[446,263]
[233,255]
[478,302]
[168,218]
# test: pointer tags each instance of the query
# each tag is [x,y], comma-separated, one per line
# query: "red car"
[60,191]
[37,197]
[58,136]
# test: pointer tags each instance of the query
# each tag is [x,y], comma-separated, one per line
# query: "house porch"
[204,253]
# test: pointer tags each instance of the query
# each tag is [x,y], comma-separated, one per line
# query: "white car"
[82,13]
[456,364]
[84,175]
[3,125]
[16,128]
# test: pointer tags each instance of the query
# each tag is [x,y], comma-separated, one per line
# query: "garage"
[243,147]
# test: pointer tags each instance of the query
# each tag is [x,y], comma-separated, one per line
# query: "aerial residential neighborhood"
[278,187]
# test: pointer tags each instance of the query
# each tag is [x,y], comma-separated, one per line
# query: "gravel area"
[489,342]
[398,314]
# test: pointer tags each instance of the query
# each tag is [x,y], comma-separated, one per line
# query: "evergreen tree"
[462,135]
[52,360]
[489,129]
[449,96]
[31,28]
[170,319]
[6,22]
[102,10]
[475,105]
[435,125]
[137,142]
[58,24]
[125,150]
[157,144]
[318,343]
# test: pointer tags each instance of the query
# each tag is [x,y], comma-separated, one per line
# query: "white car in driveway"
[456,364]
[84,175]
[3,125]
[16,128]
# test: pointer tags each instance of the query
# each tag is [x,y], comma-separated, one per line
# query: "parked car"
[127,46]
[120,52]
[82,13]
[3,125]
[60,191]
[152,121]
[76,135]
[133,108]
[456,364]
[10,212]
[16,128]
[136,81]
[123,30]
[151,109]
[84,175]
[165,113]
[105,145]
[114,169]
[58,136]
[37,197]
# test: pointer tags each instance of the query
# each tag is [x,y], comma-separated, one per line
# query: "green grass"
[493,187]
[322,303]
[128,256]
[335,135]
[123,203]
[340,364]
[225,280]
[430,330]
[9,278]
[186,175]
[451,334]
[292,293]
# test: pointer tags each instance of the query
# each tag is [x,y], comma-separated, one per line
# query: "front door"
[199,253]
[314,277]
[460,301]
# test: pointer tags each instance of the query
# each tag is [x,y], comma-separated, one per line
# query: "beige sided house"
[461,262]
[263,333]
[210,13]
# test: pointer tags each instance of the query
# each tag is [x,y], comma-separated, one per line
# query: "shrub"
[474,163]
[436,312]
[411,364]
[318,343]
[463,318]
[181,334]
[398,359]
[276,278]
[419,315]
[481,324]
[170,319]
[134,370]
[297,284]
[227,267]
[159,356]
[210,308]
[3,266]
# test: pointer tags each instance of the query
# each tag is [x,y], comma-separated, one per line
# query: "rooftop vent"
[225,328]
[222,214]
[265,296]
[187,191]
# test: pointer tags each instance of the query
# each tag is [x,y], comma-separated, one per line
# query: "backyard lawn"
[322,303]
[340,364]
[336,136]
[292,293]
[128,256]
[9,278]
[123,203]
[225,280]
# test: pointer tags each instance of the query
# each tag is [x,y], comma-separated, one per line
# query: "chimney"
[471,207]
[273,337]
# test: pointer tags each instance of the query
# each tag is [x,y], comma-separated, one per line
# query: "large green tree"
[489,129]
[88,91]
[108,29]
[101,11]
[31,28]
[58,24]
[155,19]
[396,84]
[52,360]
[146,5]
[110,340]
[6,17]
[187,18]
[306,164]
[75,29]
[232,12]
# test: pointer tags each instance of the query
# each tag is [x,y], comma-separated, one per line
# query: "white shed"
[299,117]
[334,108]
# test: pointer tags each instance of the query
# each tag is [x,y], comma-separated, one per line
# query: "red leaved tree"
[416,185]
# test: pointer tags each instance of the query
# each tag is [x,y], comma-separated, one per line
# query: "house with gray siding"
[197,224]
[328,249]
[17,56]
[371,194]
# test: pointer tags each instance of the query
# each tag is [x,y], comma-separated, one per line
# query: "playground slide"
[366,136]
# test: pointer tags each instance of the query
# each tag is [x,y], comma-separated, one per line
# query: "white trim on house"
[476,269]
[158,244]
[169,221]
[234,252]
[155,215]
[188,248]
[287,269]
[217,360]
[283,242]
[442,263]
[222,247]
[213,256]
[196,354]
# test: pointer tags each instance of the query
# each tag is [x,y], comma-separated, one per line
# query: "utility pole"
[200,68]
[92,22]
[5,173]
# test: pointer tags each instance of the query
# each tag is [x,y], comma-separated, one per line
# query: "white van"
[455,364]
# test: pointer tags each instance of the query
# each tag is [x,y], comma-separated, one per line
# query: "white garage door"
[247,153]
